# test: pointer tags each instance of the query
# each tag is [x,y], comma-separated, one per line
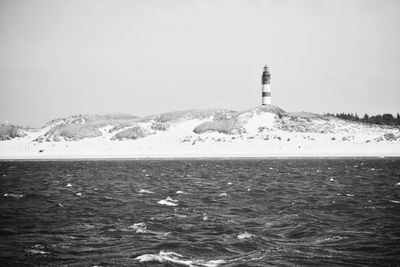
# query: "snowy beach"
[258,132]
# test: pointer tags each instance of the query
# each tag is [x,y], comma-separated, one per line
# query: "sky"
[59,58]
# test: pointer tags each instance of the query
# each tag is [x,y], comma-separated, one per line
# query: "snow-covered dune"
[265,131]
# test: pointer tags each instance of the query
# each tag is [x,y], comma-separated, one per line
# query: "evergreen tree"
[388,119]
[384,119]
[366,118]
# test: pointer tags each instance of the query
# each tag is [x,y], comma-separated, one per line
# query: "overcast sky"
[59,58]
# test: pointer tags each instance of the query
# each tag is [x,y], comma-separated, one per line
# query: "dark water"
[320,212]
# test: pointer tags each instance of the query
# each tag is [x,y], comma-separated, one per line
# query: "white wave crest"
[14,195]
[172,257]
[244,235]
[35,251]
[144,191]
[168,202]
[139,228]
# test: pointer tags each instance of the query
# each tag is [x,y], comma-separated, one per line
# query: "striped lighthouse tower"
[266,87]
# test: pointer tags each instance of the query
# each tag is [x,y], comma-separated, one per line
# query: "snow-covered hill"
[259,132]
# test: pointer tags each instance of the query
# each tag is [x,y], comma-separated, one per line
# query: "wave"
[144,191]
[35,251]
[139,228]
[168,202]
[244,235]
[38,250]
[14,195]
[172,257]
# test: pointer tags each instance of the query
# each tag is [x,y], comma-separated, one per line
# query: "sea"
[201,212]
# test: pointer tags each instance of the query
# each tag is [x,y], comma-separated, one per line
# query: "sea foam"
[172,257]
[139,228]
[244,235]
[14,195]
[168,202]
[144,191]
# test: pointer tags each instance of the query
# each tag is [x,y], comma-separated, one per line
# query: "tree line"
[384,119]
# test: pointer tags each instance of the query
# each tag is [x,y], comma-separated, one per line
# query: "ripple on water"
[290,216]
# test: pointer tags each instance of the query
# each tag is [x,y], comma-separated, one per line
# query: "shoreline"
[194,157]
[180,142]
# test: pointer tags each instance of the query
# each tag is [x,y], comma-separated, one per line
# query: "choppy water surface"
[200,212]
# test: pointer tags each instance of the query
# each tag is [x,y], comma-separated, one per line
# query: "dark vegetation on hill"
[384,119]
[123,126]
[82,126]
[9,131]
[305,123]
[162,122]
[233,122]
[188,115]
[133,133]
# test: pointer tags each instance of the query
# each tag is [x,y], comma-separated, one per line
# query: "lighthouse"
[266,87]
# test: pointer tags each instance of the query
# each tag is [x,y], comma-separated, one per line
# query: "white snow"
[169,144]
[265,119]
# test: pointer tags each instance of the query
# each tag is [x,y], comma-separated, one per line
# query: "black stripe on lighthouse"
[264,94]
